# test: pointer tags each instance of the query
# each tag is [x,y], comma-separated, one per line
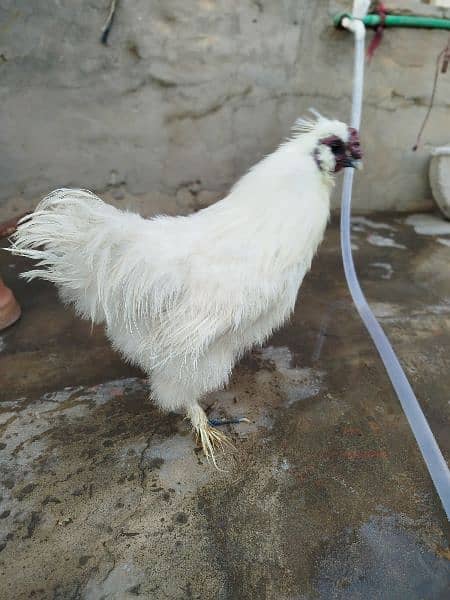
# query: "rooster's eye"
[336,146]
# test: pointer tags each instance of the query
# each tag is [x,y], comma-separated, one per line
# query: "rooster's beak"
[354,163]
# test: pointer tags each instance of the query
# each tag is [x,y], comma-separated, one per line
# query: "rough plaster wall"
[189,94]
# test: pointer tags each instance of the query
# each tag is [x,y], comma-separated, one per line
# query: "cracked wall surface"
[187,95]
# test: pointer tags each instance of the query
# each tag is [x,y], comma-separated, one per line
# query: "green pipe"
[373,20]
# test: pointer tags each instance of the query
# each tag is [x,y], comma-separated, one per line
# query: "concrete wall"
[188,94]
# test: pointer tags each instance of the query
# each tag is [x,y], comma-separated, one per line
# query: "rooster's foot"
[207,436]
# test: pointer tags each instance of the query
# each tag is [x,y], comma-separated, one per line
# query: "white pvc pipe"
[428,446]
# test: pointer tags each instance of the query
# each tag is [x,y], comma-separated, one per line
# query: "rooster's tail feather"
[69,234]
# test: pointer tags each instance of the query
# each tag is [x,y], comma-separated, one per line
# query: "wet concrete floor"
[325,495]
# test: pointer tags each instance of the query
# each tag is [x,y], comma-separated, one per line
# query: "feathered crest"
[305,124]
[320,126]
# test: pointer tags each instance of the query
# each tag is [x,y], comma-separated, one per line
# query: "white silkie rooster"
[184,297]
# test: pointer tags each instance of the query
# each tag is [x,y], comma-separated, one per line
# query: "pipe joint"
[356,26]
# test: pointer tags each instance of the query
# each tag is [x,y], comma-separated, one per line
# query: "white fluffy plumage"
[184,297]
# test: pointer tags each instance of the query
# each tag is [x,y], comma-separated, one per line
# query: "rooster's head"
[334,145]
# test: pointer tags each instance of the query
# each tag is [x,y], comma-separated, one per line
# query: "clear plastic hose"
[431,453]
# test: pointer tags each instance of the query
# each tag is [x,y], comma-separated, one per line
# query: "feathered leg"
[208,436]
[171,394]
